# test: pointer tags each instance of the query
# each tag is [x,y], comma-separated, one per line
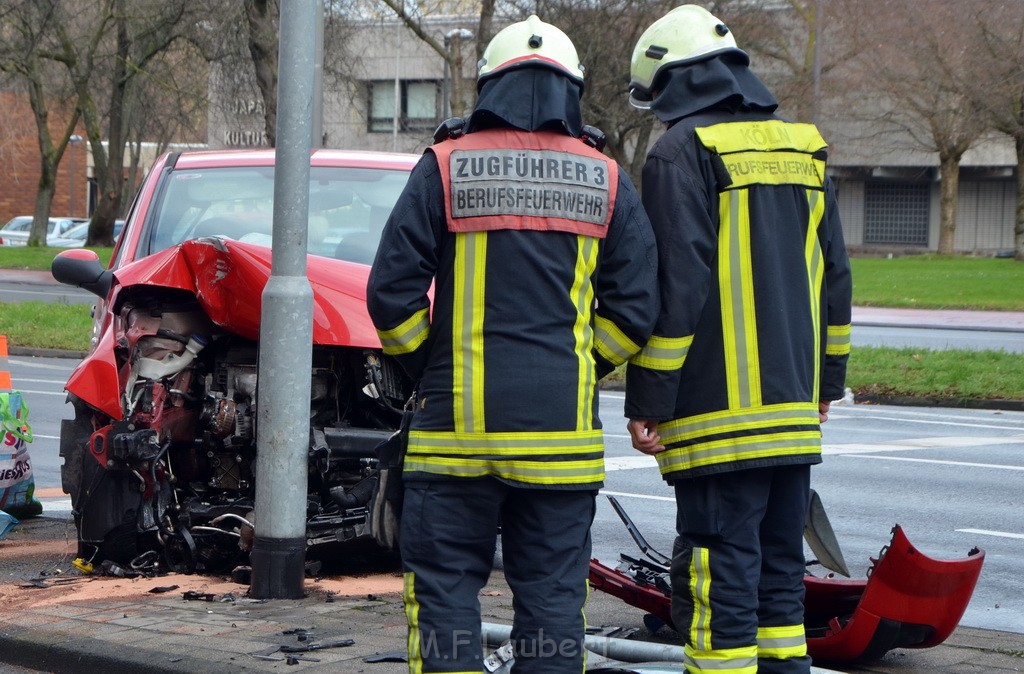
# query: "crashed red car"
[159,457]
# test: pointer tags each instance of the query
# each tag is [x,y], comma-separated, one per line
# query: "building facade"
[397,91]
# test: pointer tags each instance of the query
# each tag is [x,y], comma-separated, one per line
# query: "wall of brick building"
[19,163]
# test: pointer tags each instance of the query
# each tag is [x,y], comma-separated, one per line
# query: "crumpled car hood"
[228,278]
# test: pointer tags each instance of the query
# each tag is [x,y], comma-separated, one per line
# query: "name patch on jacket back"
[529,183]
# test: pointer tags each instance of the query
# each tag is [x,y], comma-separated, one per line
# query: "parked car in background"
[16,231]
[76,236]
[159,458]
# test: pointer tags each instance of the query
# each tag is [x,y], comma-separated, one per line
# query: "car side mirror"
[81,268]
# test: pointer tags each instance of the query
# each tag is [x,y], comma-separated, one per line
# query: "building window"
[418,107]
[896,214]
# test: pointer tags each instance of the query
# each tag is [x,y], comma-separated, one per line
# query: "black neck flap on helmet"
[722,82]
[529,99]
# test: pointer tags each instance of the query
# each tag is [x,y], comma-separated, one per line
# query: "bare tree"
[262,18]
[140,31]
[909,77]
[793,45]
[97,56]
[604,34]
[1001,95]
[27,42]
[450,46]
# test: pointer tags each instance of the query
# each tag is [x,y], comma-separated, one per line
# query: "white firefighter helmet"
[685,35]
[531,43]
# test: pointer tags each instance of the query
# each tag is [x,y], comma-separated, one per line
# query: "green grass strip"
[39,258]
[939,282]
[953,374]
[46,325]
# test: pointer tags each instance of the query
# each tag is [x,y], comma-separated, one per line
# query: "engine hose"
[378,383]
[155,502]
[185,566]
[170,334]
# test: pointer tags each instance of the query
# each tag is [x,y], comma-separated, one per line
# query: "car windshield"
[18,225]
[24,224]
[78,231]
[81,230]
[347,208]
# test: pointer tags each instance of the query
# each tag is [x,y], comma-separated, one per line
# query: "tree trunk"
[949,176]
[485,29]
[44,203]
[458,98]
[260,15]
[48,160]
[111,181]
[636,163]
[1018,223]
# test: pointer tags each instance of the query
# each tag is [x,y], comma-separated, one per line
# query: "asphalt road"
[862,335]
[937,338]
[27,292]
[954,479]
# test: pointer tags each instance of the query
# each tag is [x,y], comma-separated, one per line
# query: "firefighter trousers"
[448,535]
[737,570]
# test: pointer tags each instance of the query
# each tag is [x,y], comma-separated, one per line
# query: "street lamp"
[72,141]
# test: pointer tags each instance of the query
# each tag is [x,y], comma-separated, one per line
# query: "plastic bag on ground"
[17,484]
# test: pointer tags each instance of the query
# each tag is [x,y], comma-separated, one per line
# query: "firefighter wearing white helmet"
[544,279]
[686,34]
[530,43]
[750,345]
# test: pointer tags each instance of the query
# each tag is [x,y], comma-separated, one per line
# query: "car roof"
[194,159]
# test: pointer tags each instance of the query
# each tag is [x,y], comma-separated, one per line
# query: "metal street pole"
[318,79]
[72,142]
[819,7]
[286,329]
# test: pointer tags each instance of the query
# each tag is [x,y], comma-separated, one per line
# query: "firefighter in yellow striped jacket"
[750,346]
[545,279]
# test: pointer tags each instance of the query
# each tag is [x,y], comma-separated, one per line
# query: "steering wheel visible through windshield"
[348,208]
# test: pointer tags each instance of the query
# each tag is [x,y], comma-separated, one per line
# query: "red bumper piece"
[908,600]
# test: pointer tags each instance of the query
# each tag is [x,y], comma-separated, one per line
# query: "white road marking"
[36,292]
[40,381]
[935,422]
[53,506]
[921,443]
[43,393]
[986,532]
[646,496]
[45,366]
[937,461]
[613,463]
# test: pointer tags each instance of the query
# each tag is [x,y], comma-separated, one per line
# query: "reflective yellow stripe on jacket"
[542,458]
[408,336]
[739,435]
[838,343]
[613,344]
[663,353]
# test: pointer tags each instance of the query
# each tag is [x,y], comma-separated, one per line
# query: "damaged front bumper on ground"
[908,600]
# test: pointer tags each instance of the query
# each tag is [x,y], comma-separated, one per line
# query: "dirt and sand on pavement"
[36,570]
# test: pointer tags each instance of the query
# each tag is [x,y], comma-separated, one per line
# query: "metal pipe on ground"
[653,658]
[623,650]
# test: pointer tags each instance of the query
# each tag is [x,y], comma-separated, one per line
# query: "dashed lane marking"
[986,532]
